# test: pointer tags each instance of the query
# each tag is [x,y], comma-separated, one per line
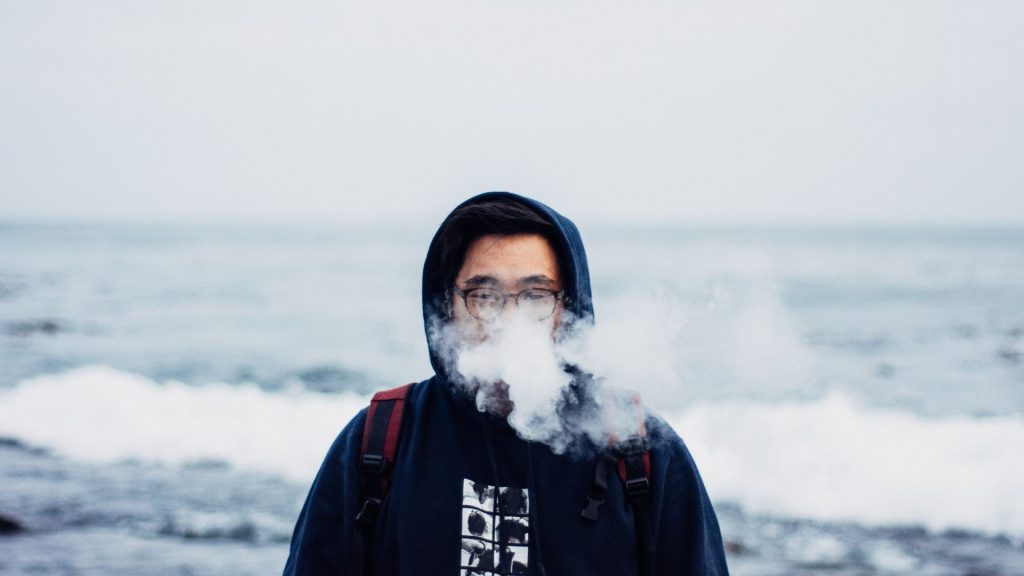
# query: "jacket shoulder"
[685,516]
[328,514]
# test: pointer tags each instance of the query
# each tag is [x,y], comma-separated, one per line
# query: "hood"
[572,263]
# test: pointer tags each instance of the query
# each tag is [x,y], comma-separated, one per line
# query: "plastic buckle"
[368,515]
[373,464]
[638,487]
[635,445]
[590,512]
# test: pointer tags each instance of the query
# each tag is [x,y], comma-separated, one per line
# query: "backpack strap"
[632,459]
[635,471]
[381,433]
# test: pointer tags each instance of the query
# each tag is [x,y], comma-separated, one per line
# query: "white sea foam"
[837,459]
[99,414]
[831,459]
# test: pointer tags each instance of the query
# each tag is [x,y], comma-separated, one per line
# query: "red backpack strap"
[631,456]
[635,460]
[641,469]
[635,471]
[381,434]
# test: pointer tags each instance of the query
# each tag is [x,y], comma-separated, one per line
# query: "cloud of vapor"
[518,359]
[567,391]
[584,386]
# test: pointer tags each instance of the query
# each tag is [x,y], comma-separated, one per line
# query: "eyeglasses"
[487,303]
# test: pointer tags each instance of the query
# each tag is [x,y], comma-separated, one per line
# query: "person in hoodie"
[472,495]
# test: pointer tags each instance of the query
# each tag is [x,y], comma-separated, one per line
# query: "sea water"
[854,398]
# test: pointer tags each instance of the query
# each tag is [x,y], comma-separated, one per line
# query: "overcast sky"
[672,110]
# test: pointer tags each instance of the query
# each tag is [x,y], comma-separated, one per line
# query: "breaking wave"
[829,459]
[840,460]
[99,414]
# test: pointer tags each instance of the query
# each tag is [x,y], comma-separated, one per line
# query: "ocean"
[853,397]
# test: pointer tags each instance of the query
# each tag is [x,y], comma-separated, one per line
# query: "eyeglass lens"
[487,304]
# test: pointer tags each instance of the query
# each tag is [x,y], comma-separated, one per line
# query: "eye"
[535,295]
[484,296]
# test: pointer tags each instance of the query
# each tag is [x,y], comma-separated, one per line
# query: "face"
[508,265]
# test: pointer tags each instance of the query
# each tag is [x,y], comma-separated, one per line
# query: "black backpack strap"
[381,434]
[599,488]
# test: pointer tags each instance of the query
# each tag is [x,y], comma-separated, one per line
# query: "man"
[468,494]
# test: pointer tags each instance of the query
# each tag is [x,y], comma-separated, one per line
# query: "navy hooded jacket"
[468,496]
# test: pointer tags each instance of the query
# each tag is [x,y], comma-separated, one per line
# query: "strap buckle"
[590,512]
[634,445]
[368,515]
[373,464]
[638,487]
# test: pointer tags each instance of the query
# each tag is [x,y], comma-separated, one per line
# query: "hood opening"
[568,246]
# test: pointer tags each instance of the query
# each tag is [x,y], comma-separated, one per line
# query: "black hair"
[502,216]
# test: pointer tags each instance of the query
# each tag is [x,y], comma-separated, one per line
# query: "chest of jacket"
[468,496]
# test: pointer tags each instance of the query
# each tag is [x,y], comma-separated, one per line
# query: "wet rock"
[10,526]
[734,547]
[11,442]
[15,444]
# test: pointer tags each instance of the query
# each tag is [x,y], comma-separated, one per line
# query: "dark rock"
[11,442]
[15,444]
[10,526]
[735,547]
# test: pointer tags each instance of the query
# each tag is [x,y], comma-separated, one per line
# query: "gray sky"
[671,110]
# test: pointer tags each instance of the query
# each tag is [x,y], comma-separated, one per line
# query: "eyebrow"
[536,279]
[491,281]
[481,280]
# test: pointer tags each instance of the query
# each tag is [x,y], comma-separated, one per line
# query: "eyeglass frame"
[558,294]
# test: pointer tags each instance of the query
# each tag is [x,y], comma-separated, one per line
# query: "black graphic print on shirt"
[495,530]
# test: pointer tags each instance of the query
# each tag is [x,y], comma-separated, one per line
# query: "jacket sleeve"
[323,532]
[686,533]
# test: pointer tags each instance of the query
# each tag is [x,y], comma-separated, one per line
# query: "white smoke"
[518,360]
[671,350]
[555,390]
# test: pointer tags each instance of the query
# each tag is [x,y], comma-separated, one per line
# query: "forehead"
[510,258]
